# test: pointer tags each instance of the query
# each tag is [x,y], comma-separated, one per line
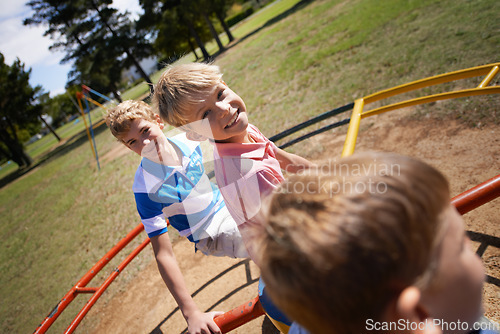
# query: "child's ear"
[159,121]
[408,305]
[195,136]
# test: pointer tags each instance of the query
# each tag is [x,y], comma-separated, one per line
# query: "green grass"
[303,58]
[48,142]
[340,51]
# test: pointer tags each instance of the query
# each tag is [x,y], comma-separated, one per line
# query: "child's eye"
[205,114]
[145,130]
[219,95]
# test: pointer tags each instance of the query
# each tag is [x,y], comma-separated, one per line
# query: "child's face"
[145,138]
[221,116]
[457,294]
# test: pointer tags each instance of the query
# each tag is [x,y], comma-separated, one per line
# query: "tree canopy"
[19,111]
[96,37]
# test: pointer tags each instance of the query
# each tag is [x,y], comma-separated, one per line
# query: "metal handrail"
[358,113]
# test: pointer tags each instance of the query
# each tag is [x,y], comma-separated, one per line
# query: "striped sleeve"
[151,212]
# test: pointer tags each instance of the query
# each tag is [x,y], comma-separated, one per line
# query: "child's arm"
[291,162]
[198,322]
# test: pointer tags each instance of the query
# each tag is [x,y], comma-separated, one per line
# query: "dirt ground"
[466,156]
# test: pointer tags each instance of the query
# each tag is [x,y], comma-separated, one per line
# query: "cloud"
[12,8]
[27,43]
[131,5]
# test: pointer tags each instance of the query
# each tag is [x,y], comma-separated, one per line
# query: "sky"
[29,45]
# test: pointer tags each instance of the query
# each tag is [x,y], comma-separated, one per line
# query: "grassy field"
[294,60]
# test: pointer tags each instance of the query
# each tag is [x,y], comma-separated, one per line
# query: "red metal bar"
[477,196]
[73,292]
[239,315]
[104,286]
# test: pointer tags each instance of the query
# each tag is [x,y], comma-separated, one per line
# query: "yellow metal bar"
[95,102]
[433,98]
[352,131]
[486,81]
[438,79]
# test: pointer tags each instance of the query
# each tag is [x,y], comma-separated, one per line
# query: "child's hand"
[203,323]
[292,163]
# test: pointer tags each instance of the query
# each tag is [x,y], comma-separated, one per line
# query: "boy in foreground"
[194,98]
[171,183]
[373,246]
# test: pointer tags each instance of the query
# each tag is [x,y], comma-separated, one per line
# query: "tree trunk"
[17,153]
[126,50]
[117,95]
[213,31]
[224,25]
[193,49]
[139,68]
[197,38]
[49,127]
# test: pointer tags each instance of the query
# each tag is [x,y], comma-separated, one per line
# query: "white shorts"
[226,238]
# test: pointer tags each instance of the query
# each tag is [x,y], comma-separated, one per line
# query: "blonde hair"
[181,86]
[119,118]
[337,247]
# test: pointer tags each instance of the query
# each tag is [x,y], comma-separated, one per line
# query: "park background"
[289,61]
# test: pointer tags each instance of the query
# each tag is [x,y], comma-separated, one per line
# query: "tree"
[18,110]
[99,66]
[79,26]
[173,24]
[212,29]
[43,101]
[59,108]
[123,35]
[220,8]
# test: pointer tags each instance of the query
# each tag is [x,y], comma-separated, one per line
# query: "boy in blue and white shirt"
[184,194]
[171,183]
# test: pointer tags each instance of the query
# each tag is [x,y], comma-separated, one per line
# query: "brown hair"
[119,118]
[338,246]
[181,86]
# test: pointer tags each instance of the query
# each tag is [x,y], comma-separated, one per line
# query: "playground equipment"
[489,71]
[465,202]
[85,95]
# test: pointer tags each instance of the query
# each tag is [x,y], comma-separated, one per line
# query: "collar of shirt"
[163,172]
[256,150]
[243,150]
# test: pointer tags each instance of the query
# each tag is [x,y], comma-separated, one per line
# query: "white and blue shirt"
[183,194]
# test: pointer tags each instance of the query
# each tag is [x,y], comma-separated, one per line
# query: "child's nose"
[225,110]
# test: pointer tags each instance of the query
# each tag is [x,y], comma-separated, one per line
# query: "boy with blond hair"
[194,98]
[170,182]
[372,245]
[247,165]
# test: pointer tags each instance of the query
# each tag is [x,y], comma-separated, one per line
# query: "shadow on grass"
[72,143]
[267,326]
